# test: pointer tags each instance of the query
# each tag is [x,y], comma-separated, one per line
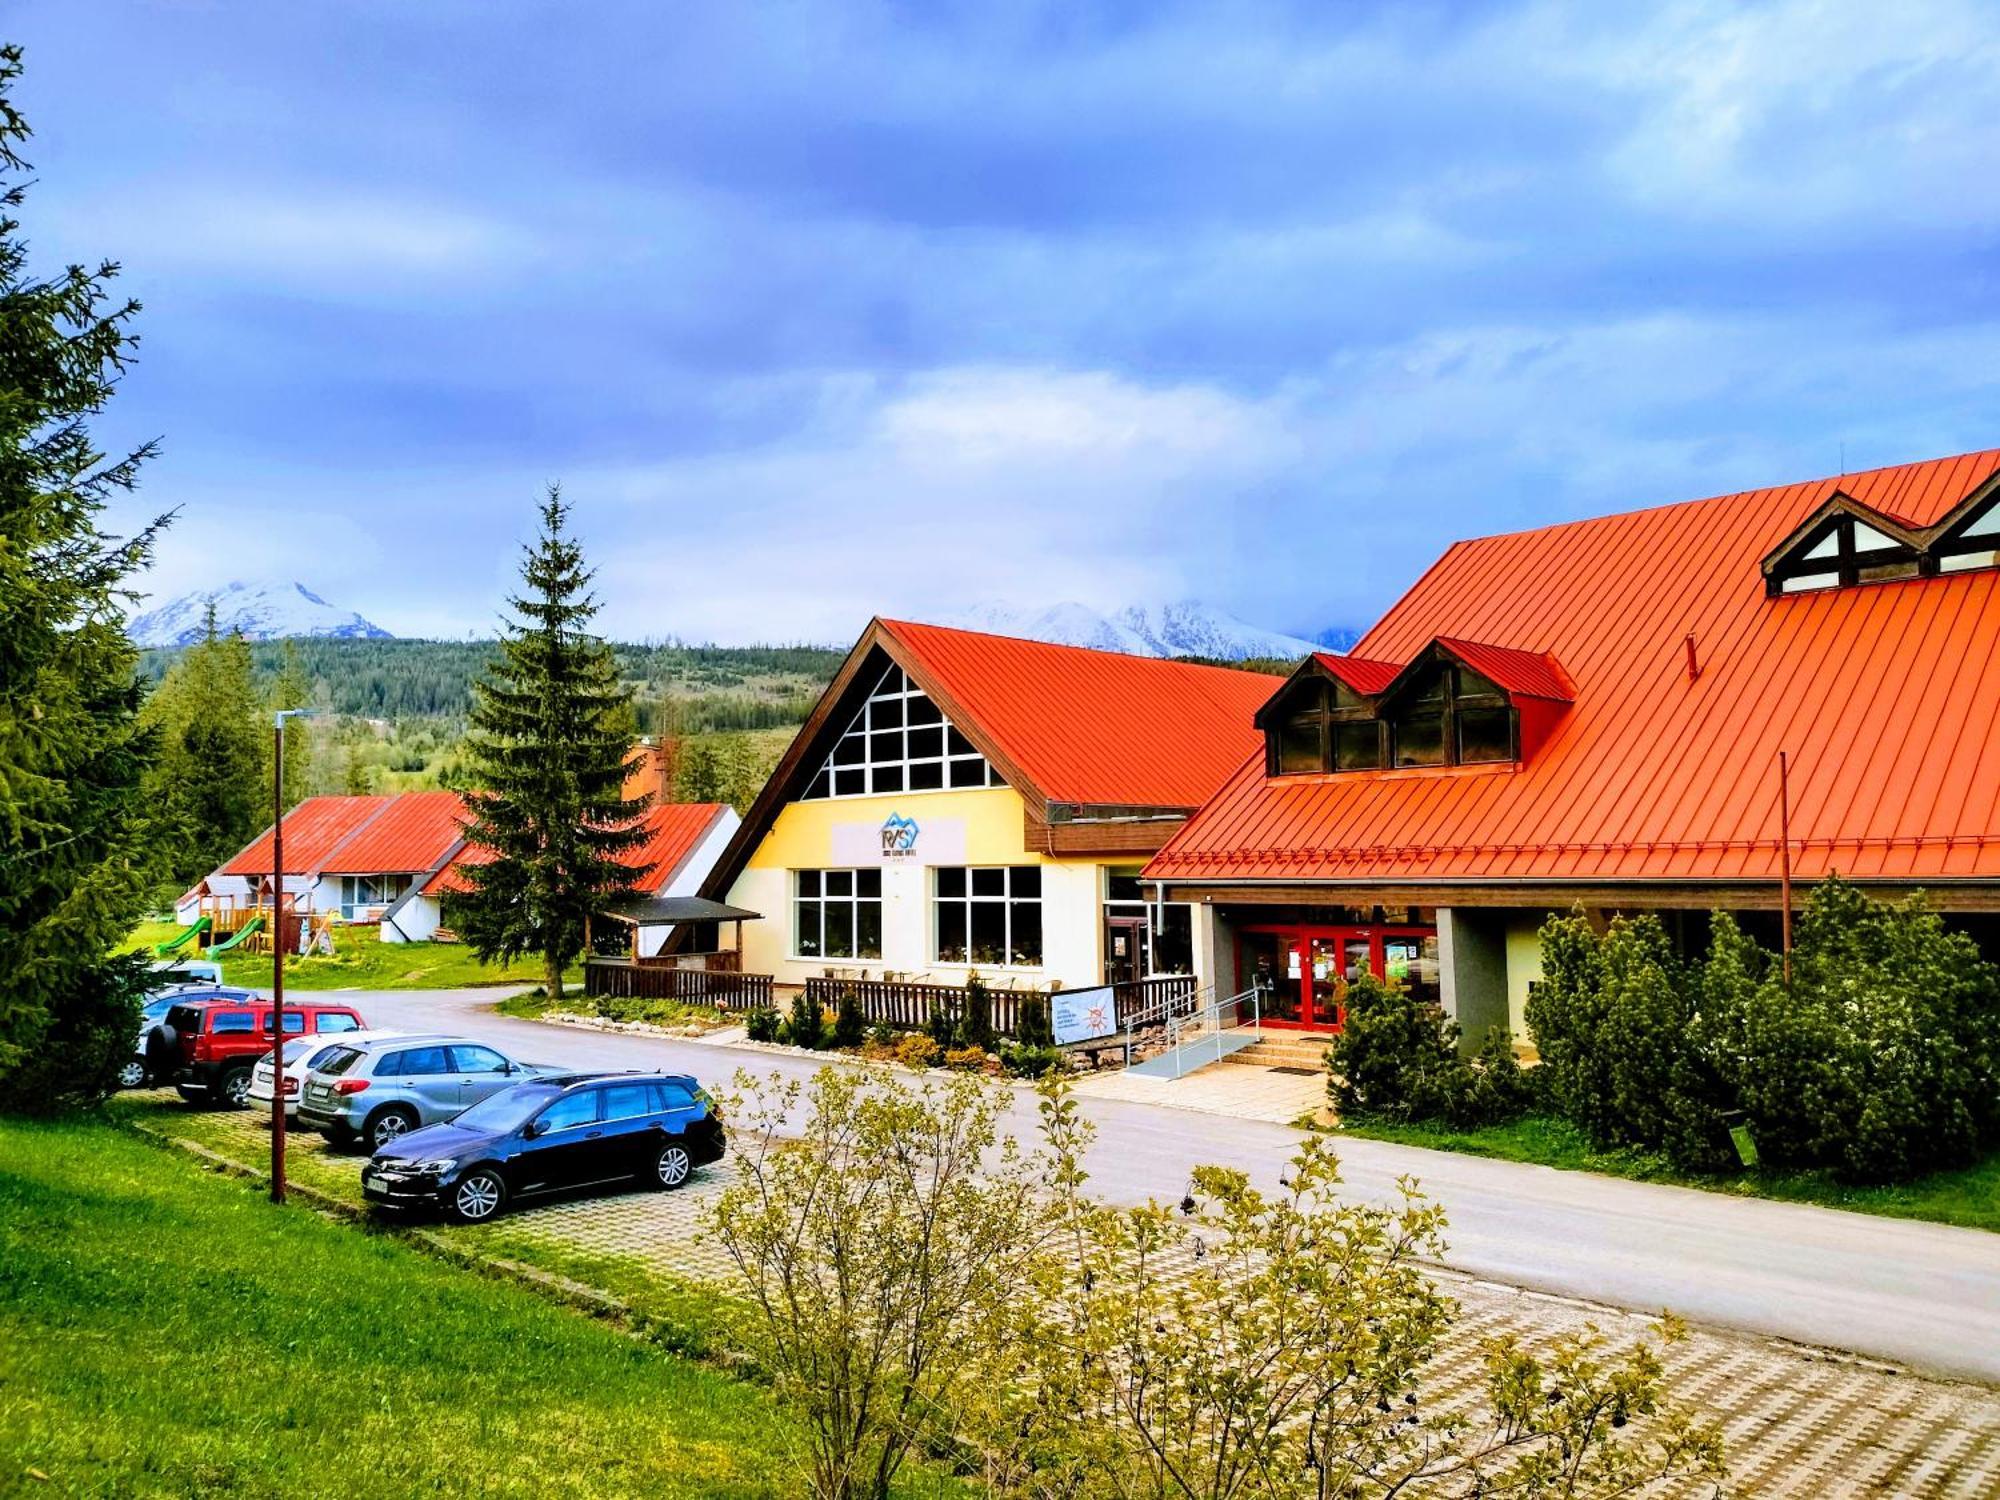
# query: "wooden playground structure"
[248,924]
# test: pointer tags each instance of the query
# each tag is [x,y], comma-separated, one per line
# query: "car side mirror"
[532,1129]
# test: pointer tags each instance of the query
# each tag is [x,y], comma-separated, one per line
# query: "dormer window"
[1972,543]
[1438,711]
[1844,551]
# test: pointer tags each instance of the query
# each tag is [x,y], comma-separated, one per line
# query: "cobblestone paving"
[1797,1422]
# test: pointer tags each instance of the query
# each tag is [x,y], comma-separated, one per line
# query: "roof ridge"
[1176,662]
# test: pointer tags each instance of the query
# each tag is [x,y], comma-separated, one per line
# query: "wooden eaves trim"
[800,762]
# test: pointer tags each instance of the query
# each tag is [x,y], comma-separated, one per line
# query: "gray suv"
[378,1090]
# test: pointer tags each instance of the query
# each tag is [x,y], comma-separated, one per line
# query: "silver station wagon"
[375,1091]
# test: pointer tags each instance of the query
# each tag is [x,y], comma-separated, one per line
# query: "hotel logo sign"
[899,837]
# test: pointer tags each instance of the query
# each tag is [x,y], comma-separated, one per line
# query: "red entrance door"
[1304,971]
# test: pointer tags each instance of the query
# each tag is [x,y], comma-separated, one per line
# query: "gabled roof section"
[411,834]
[1885,697]
[1072,725]
[1066,727]
[313,830]
[674,831]
[1368,678]
[1519,674]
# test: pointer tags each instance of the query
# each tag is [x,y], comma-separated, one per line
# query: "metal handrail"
[1212,1013]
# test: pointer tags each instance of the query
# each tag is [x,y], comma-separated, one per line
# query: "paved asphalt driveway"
[1922,1295]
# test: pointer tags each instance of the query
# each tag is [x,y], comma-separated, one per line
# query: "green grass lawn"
[533,1006]
[362,961]
[1970,1197]
[171,1333]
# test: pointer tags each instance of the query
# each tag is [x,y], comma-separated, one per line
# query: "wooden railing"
[722,961]
[907,1005]
[622,979]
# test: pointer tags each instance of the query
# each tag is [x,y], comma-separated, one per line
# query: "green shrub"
[1565,1015]
[975,1017]
[807,1025]
[1032,1027]
[941,1025]
[966,1059]
[882,1034]
[849,1025]
[1496,1088]
[762,1024]
[1880,1062]
[1027,1061]
[1396,1057]
[917,1050]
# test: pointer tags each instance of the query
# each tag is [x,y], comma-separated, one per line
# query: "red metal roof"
[1524,674]
[313,830]
[411,834]
[1096,727]
[1366,677]
[674,830]
[1887,697]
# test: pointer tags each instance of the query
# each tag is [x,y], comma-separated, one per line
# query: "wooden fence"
[907,1006]
[626,980]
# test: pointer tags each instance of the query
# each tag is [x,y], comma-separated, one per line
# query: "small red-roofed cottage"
[1593,714]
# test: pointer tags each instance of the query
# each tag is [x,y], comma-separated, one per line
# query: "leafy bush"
[1397,1058]
[882,1034]
[807,1026]
[975,1017]
[1881,1061]
[849,1025]
[966,1059]
[917,1050]
[74,1059]
[762,1024]
[1032,1026]
[1031,1061]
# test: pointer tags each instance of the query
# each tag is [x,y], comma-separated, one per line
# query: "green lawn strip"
[362,961]
[534,1006]
[1969,1197]
[169,1332]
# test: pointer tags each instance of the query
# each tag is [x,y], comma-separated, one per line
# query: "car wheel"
[132,1075]
[672,1166]
[478,1196]
[233,1088]
[387,1124]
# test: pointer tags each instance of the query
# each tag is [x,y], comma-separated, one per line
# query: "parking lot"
[1797,1422]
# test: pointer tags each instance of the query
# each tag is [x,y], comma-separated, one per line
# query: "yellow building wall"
[1524,967]
[803,837]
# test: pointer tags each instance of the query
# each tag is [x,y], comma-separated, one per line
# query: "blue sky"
[820,311]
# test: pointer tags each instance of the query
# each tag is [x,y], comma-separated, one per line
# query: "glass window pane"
[850,783]
[927,744]
[1806,582]
[968,773]
[921,710]
[808,882]
[1885,572]
[951,932]
[989,882]
[1965,562]
[1026,942]
[951,880]
[1298,746]
[1173,940]
[885,713]
[470,1059]
[806,926]
[883,747]
[1420,741]
[1485,734]
[1826,546]
[840,882]
[627,1101]
[1025,880]
[926,775]
[888,778]
[868,929]
[959,744]
[850,750]
[1472,685]
[1123,885]
[1357,747]
[868,883]
[822,785]
[987,941]
[839,919]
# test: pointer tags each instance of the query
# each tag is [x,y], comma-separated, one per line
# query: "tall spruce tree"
[550,730]
[211,785]
[73,823]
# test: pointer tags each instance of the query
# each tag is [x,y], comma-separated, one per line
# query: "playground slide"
[255,924]
[181,939]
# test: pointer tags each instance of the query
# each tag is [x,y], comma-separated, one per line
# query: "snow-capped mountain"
[261,611]
[1186,628]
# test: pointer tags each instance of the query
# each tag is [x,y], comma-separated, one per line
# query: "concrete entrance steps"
[1285,1049]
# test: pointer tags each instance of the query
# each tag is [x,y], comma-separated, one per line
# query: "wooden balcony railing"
[727,989]
[907,1005]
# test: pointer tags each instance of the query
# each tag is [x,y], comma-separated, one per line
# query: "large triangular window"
[898,741]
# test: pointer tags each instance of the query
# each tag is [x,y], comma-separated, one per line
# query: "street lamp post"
[278,937]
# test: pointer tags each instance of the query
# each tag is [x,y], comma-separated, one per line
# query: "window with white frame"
[363,894]
[837,913]
[987,915]
[898,741]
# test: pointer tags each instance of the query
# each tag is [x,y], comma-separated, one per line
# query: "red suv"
[208,1047]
